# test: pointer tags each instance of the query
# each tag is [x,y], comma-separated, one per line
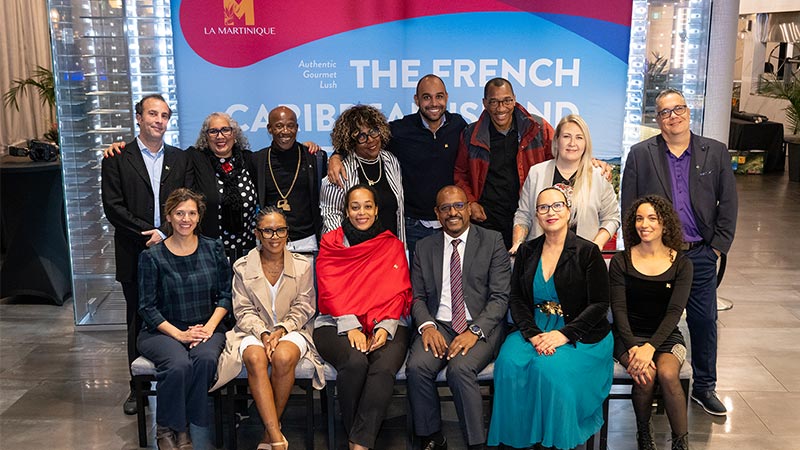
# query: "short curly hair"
[238,134]
[351,121]
[672,234]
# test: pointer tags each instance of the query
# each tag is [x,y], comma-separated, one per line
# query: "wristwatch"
[476,330]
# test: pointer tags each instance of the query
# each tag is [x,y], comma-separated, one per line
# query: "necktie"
[459,314]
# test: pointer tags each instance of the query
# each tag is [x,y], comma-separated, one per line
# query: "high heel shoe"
[283,444]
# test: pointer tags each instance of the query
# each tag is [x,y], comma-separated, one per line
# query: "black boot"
[644,436]
[680,442]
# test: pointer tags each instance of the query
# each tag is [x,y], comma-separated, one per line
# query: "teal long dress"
[554,400]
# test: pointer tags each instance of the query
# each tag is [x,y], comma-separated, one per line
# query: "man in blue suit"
[695,174]
[460,278]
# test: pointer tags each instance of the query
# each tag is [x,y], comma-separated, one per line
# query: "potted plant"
[771,86]
[43,82]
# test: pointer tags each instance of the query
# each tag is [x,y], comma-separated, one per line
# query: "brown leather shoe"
[184,440]
[165,439]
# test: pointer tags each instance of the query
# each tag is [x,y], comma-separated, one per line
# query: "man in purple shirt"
[695,174]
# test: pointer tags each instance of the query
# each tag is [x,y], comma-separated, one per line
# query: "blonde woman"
[595,213]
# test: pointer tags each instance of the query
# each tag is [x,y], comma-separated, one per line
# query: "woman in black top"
[360,136]
[650,283]
[221,159]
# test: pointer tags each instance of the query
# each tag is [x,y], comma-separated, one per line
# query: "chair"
[621,378]
[144,376]
[485,379]
[238,389]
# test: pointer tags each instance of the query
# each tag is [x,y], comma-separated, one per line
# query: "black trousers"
[364,381]
[130,289]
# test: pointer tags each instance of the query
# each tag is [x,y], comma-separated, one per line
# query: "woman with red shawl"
[364,298]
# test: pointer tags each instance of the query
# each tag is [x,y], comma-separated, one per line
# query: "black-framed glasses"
[289,126]
[363,136]
[494,102]
[214,132]
[556,207]
[269,233]
[445,208]
[678,110]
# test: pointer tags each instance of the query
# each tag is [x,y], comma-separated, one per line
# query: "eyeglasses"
[678,110]
[362,137]
[289,126]
[214,132]
[445,208]
[269,233]
[556,207]
[494,102]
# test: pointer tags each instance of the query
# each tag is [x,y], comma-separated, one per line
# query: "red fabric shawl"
[369,280]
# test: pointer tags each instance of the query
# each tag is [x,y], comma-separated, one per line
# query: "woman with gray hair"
[221,157]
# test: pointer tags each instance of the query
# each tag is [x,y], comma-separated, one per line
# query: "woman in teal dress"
[555,371]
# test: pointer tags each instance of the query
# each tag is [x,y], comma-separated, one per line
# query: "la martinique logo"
[237,11]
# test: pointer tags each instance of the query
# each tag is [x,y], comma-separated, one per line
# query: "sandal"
[284,444]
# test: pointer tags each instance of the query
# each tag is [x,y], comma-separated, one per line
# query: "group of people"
[380,263]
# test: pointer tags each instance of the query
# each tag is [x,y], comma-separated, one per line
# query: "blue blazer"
[712,186]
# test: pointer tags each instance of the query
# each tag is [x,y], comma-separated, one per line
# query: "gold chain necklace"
[283,203]
[380,171]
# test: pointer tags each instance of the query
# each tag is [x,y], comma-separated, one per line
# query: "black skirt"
[674,344]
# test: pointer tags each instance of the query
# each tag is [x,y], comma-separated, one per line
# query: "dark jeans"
[364,382]
[415,231]
[184,376]
[701,317]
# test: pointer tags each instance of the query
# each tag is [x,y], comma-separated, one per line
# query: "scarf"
[369,280]
[355,236]
[231,201]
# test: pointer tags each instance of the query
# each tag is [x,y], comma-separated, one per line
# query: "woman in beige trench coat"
[273,301]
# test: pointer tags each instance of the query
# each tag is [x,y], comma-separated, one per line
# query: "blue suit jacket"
[712,186]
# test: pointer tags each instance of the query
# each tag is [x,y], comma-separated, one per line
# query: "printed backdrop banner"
[319,57]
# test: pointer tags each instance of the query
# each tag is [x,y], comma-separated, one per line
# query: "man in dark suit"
[460,279]
[695,174]
[134,189]
[288,176]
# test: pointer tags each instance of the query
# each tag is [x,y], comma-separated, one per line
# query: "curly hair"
[350,123]
[672,234]
[238,134]
[179,196]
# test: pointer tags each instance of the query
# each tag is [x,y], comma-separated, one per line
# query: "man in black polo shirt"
[425,143]
[288,177]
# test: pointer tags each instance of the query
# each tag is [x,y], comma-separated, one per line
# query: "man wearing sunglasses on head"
[134,189]
[460,280]
[695,174]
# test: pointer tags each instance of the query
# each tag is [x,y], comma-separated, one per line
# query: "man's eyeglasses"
[678,110]
[269,233]
[494,102]
[362,137]
[445,208]
[214,132]
[556,207]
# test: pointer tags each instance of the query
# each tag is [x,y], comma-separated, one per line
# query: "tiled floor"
[62,389]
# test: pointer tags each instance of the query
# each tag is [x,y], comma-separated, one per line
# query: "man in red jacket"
[494,156]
